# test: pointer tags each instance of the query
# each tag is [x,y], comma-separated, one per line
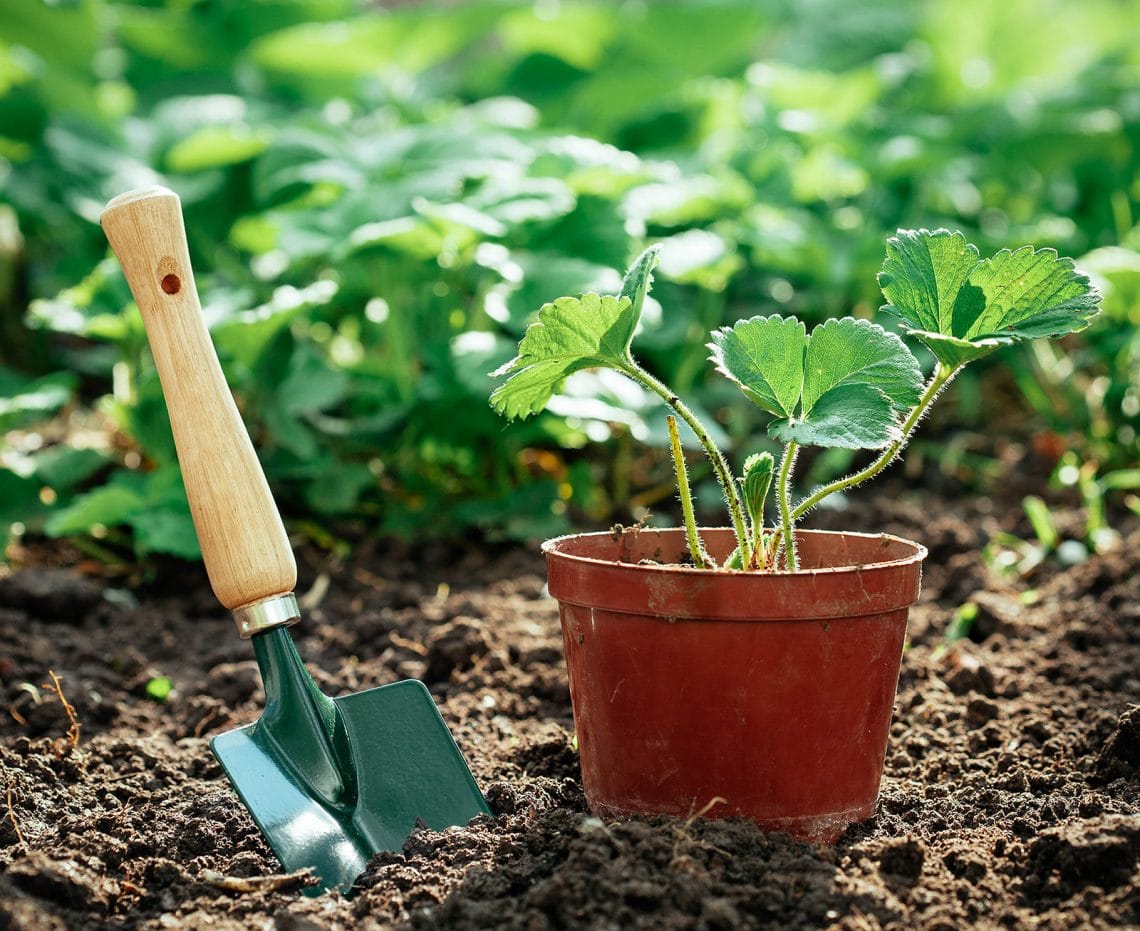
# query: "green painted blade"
[409,768]
[405,768]
[303,833]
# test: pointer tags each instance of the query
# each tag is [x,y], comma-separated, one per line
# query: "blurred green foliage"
[378,201]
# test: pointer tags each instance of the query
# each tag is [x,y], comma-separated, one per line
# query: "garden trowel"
[330,781]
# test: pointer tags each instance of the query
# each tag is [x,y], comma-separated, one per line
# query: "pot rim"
[918,553]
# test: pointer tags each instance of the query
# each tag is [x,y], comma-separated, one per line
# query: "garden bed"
[1011,794]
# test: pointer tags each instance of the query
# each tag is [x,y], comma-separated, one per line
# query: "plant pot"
[766,695]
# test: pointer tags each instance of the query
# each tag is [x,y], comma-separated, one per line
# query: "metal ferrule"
[275,611]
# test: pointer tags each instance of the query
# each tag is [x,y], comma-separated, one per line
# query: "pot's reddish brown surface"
[766,695]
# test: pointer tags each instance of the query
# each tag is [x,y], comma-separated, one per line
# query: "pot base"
[825,828]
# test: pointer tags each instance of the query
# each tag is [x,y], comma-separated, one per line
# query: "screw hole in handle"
[171,284]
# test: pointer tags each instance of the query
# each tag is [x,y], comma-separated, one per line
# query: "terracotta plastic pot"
[767,695]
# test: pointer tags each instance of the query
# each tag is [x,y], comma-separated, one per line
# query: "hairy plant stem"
[759,553]
[787,518]
[716,458]
[696,550]
[939,380]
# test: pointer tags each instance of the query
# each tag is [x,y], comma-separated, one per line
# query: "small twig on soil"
[280,882]
[712,803]
[312,599]
[370,579]
[127,887]
[407,644]
[201,727]
[683,839]
[69,710]
[16,824]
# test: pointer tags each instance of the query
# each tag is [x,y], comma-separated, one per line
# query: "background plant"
[379,200]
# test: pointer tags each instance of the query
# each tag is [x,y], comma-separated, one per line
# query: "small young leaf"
[758,471]
[765,357]
[639,278]
[159,688]
[963,307]
[570,334]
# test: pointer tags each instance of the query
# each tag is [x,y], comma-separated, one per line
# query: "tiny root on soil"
[63,748]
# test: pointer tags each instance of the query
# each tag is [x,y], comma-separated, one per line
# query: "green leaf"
[1031,294]
[844,385]
[340,488]
[963,307]
[310,384]
[159,688]
[19,501]
[849,416]
[765,357]
[700,257]
[216,146]
[62,467]
[570,334]
[847,351]
[356,47]
[923,275]
[953,352]
[108,506]
[758,470]
[639,278]
[166,530]
[25,401]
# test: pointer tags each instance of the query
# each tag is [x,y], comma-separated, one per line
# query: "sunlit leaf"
[25,400]
[844,385]
[1031,293]
[571,334]
[848,351]
[108,506]
[964,307]
[850,416]
[215,146]
[639,279]
[764,356]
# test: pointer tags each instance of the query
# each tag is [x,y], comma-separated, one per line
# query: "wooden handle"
[244,545]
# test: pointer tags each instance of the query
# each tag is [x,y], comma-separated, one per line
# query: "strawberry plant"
[849,383]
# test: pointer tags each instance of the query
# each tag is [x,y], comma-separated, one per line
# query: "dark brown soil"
[1011,795]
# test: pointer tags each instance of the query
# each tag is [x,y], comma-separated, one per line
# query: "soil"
[1010,797]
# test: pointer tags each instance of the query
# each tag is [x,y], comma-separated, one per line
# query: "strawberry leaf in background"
[963,307]
[25,400]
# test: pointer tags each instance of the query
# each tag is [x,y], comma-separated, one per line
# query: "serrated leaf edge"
[717,351]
